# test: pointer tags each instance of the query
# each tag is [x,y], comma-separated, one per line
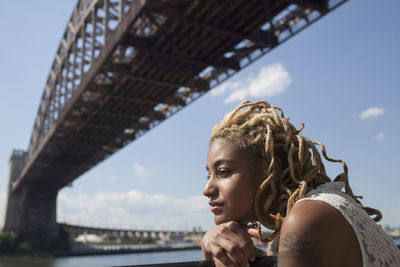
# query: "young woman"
[262,171]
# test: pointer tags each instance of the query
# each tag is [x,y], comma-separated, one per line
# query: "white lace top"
[377,248]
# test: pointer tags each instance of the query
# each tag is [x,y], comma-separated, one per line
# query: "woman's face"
[234,177]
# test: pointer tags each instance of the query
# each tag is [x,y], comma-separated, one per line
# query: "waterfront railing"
[267,261]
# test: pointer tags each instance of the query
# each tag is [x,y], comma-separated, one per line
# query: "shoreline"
[93,250]
[126,249]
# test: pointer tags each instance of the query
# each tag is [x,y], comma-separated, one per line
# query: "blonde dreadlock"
[294,163]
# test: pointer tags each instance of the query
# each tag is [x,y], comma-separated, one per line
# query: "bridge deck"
[131,64]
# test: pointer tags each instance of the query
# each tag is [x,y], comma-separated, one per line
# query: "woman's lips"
[216,207]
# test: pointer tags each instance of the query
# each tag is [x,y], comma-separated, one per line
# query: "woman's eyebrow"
[219,162]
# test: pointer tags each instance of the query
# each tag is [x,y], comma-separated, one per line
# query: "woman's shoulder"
[316,219]
[335,220]
[317,232]
[311,216]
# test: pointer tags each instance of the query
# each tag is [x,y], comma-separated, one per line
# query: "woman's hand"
[229,244]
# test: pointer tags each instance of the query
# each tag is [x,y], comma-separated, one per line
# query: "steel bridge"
[122,67]
[76,230]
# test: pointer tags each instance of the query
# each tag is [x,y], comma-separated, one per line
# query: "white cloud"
[133,209]
[380,136]
[111,178]
[237,95]
[372,112]
[225,86]
[271,80]
[141,171]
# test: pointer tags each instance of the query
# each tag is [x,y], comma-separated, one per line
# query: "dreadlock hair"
[294,165]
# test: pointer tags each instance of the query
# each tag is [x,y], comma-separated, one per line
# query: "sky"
[340,77]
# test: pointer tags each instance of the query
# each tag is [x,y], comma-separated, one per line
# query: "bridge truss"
[123,66]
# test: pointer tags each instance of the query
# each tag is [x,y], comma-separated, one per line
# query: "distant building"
[89,238]
[393,232]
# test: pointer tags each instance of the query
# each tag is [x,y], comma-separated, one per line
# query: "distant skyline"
[340,76]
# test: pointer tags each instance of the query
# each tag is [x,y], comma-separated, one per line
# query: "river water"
[107,260]
[110,260]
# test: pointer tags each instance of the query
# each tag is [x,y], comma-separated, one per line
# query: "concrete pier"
[30,210]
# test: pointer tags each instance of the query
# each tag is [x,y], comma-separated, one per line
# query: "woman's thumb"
[252,232]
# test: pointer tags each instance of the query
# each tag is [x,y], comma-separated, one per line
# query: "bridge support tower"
[31,209]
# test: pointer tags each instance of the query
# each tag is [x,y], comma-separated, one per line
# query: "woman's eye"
[223,172]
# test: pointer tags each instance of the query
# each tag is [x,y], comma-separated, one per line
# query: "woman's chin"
[218,220]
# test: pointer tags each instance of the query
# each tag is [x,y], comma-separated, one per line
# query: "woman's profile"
[262,171]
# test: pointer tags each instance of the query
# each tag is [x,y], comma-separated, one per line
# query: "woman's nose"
[210,189]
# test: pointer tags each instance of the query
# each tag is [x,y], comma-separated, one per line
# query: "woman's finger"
[241,238]
[219,254]
[230,244]
[233,251]
[251,231]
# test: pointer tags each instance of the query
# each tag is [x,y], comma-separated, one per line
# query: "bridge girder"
[123,80]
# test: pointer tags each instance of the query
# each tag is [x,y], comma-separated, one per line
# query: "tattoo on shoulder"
[306,253]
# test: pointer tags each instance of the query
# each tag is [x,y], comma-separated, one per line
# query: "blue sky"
[340,77]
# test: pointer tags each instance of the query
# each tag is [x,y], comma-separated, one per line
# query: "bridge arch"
[122,67]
